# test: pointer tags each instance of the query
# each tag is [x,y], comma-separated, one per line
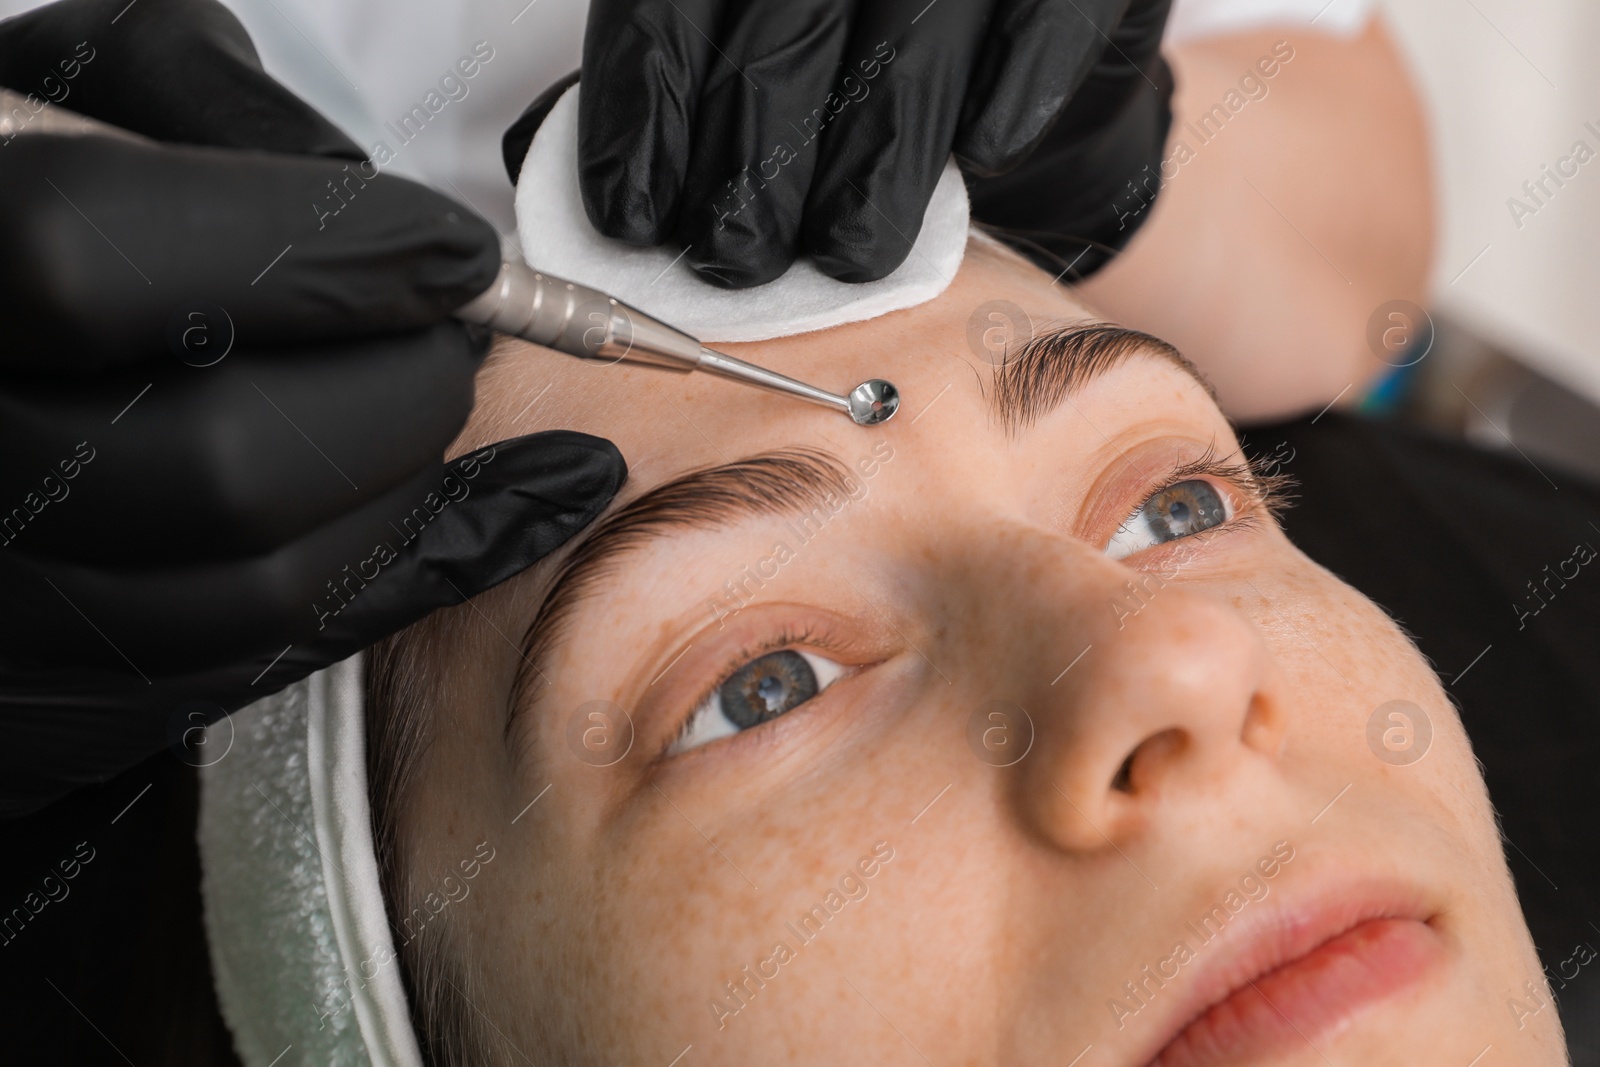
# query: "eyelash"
[1261,492]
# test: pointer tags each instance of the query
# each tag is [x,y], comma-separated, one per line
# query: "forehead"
[666,423]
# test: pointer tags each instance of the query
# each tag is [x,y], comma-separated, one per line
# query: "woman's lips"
[1310,996]
[1303,976]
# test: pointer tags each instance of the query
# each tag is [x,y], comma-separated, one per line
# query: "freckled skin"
[1019,899]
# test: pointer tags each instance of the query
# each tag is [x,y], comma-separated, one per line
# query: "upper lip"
[1279,930]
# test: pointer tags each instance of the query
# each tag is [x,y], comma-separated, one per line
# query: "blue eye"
[760,691]
[1188,507]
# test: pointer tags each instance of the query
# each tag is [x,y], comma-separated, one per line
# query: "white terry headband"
[556,234]
[306,969]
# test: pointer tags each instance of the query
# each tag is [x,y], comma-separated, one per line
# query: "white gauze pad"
[558,239]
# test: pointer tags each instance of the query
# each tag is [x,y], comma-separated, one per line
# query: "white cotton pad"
[558,239]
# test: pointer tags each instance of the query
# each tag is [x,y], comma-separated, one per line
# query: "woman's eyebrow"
[792,481]
[1056,363]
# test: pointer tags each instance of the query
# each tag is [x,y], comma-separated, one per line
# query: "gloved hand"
[227,381]
[1088,186]
[751,133]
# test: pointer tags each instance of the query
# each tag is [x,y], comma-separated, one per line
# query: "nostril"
[1147,759]
[1123,781]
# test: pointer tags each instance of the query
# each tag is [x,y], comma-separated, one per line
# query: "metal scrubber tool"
[589,324]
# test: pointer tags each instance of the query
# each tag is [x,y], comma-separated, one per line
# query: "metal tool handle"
[28,113]
[589,324]
[576,319]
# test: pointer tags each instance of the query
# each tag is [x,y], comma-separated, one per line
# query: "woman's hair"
[399,730]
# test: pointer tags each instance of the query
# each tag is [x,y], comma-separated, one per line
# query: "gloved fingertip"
[999,134]
[859,253]
[734,243]
[465,254]
[479,340]
[743,266]
[633,141]
[860,236]
[979,153]
[595,466]
[520,500]
[570,468]
[622,206]
[728,276]
[847,269]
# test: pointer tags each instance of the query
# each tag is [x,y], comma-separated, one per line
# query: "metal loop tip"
[873,402]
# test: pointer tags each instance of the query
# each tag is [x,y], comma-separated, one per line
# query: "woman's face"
[958,765]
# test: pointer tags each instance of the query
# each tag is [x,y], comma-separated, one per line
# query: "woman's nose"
[1171,690]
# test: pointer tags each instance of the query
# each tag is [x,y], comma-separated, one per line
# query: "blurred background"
[1511,89]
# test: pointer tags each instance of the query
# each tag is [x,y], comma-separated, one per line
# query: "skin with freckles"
[858,880]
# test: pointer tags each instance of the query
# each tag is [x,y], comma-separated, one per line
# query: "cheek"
[634,933]
[1369,707]
[1337,647]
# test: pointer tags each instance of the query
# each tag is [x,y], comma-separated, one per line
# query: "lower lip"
[1309,998]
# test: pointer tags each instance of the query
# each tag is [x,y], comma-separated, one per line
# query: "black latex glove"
[754,132]
[224,397]
[1088,186]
